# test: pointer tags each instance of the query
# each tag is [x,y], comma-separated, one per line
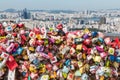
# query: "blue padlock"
[67,62]
[101,39]
[94,34]
[118,59]
[35,62]
[19,50]
[112,58]
[23,73]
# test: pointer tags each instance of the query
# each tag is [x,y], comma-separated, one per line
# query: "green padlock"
[29,78]
[64,75]
[107,63]
[57,41]
[45,41]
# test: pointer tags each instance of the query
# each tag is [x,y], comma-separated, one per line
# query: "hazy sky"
[60,4]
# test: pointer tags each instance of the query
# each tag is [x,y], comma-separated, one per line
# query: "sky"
[60,4]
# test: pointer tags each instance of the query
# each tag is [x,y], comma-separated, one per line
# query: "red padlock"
[24,37]
[36,30]
[84,48]
[89,51]
[20,25]
[87,41]
[2,32]
[14,34]
[49,67]
[59,26]
[11,63]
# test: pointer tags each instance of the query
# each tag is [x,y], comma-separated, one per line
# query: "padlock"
[23,37]
[77,73]
[84,77]
[40,48]
[4,56]
[97,58]
[59,26]
[36,30]
[9,28]
[51,40]
[65,50]
[94,34]
[107,40]
[117,59]
[111,51]
[94,40]
[101,40]
[10,48]
[72,51]
[49,67]
[87,41]
[65,69]
[20,25]
[68,62]
[85,36]
[102,78]
[11,63]
[32,68]
[44,77]
[107,63]
[32,35]
[79,47]
[78,40]
[103,54]
[84,48]
[31,49]
[53,75]
[55,68]
[64,75]
[70,76]
[53,60]
[19,50]
[100,35]
[100,49]
[33,75]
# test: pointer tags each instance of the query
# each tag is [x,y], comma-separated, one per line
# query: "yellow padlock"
[79,47]
[82,70]
[32,69]
[84,56]
[42,70]
[38,36]
[86,31]
[53,75]
[97,58]
[31,49]
[25,57]
[102,78]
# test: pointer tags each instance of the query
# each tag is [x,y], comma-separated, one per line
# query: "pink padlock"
[22,32]
[11,47]
[107,40]
[103,54]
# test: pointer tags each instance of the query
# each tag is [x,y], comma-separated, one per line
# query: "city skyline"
[60,4]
